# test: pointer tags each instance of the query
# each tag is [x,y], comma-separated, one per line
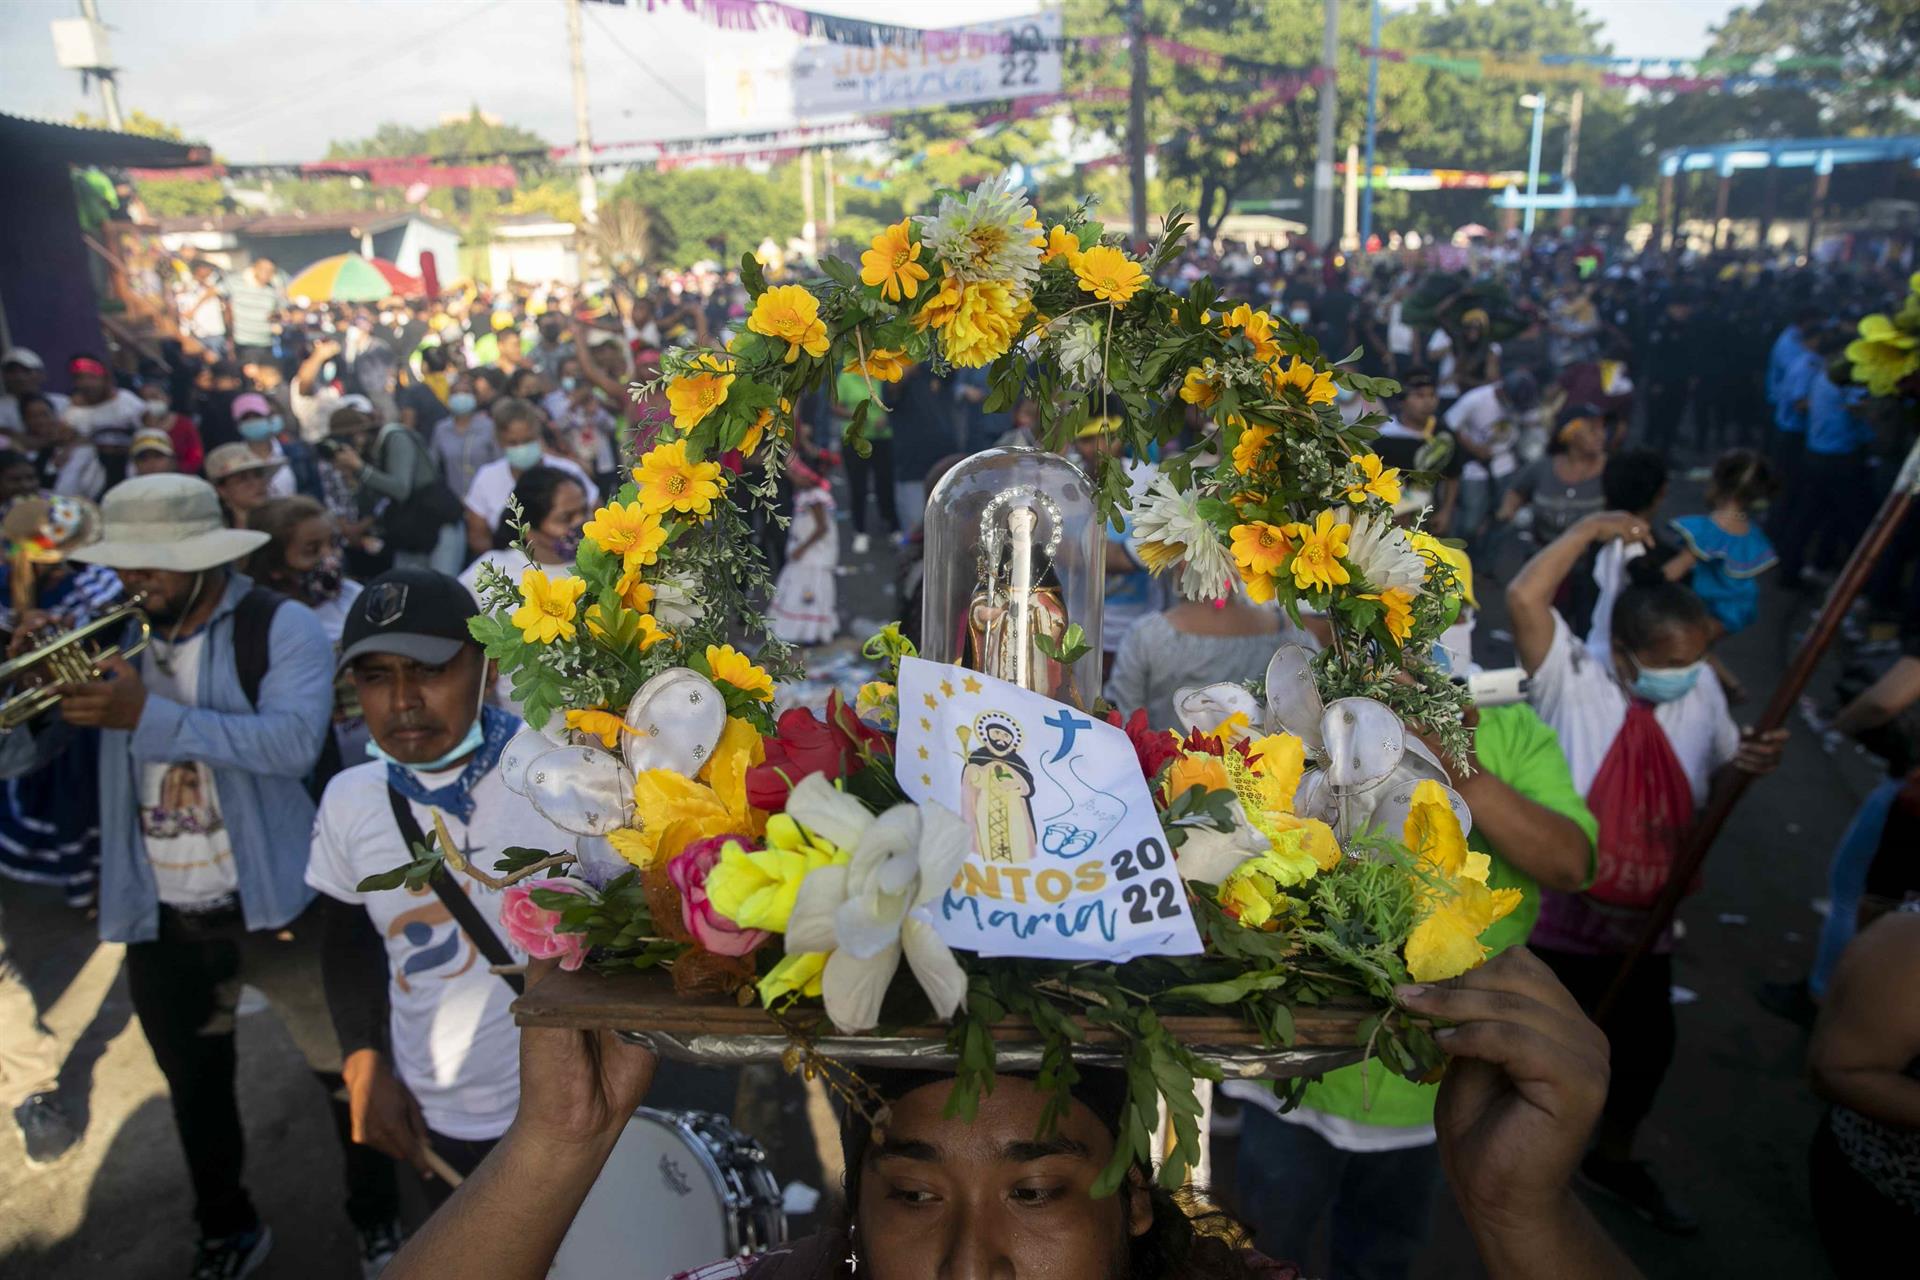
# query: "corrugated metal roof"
[23,135]
[370,222]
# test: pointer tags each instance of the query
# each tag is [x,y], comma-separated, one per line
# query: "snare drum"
[681,1189]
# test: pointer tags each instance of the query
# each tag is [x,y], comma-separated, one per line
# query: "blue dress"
[50,818]
[1727,577]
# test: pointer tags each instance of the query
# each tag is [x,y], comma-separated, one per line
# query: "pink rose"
[688,870]
[535,929]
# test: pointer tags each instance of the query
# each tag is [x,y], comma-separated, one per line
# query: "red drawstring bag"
[1644,805]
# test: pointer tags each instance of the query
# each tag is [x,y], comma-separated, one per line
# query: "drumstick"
[441,1169]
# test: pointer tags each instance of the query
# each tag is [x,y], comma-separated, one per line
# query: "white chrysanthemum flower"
[1383,554]
[986,234]
[1169,530]
[1077,350]
[677,601]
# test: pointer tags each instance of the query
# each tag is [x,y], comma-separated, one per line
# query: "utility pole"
[826,162]
[1373,122]
[1571,160]
[1323,160]
[1538,101]
[809,229]
[109,87]
[1137,116]
[582,124]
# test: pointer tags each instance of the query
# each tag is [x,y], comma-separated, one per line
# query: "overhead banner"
[1020,58]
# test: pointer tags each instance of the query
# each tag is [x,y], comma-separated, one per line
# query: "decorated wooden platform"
[642,1006]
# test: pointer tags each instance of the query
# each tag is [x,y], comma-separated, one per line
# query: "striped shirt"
[253,306]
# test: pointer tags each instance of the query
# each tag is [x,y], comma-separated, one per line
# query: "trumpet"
[67,657]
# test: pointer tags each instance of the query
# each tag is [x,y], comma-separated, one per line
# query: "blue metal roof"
[1818,154]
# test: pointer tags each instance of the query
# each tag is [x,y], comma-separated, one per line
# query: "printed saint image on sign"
[1069,861]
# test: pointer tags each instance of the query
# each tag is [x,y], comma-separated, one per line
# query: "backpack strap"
[465,914]
[252,627]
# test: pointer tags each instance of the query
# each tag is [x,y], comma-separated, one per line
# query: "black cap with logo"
[415,613]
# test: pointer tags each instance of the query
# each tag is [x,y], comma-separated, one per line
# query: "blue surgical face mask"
[475,737]
[569,382]
[328,370]
[522,457]
[1665,684]
[462,403]
[258,429]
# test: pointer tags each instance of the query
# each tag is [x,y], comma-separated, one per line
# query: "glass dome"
[1015,553]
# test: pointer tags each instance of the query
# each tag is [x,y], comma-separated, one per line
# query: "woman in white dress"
[804,609]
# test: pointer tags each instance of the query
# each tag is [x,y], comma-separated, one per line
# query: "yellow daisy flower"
[1201,386]
[1399,606]
[730,666]
[1253,441]
[1061,243]
[892,262]
[1109,274]
[668,481]
[789,312]
[602,724]
[883,364]
[1256,325]
[692,396]
[627,530]
[984,323]
[1377,480]
[1317,563]
[548,607]
[1317,387]
[1260,548]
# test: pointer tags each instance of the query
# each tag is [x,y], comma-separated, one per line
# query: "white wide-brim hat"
[170,522]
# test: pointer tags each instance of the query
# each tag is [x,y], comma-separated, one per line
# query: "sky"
[276,80]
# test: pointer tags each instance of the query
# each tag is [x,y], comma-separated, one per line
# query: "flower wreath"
[707,828]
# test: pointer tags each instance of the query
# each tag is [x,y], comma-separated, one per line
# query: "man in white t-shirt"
[1486,422]
[518,427]
[430,1050]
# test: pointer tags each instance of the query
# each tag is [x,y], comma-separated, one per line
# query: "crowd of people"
[300,499]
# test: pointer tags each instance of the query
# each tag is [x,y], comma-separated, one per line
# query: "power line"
[635,59]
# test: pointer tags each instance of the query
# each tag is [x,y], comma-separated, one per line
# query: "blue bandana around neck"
[456,797]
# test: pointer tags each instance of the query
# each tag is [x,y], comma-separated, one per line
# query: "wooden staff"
[1785,697]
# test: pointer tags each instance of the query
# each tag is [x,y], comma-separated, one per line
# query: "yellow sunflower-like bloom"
[692,396]
[1109,274]
[1256,325]
[1398,603]
[548,607]
[1260,548]
[892,262]
[940,306]
[1252,893]
[730,666]
[1060,243]
[1456,902]
[1201,386]
[789,312]
[1299,374]
[1883,356]
[1317,563]
[1377,480]
[651,632]
[984,324]
[627,530]
[669,482]
[1253,442]
[883,364]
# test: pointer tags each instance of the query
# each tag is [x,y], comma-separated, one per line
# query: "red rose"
[802,745]
[1154,747]
[734,460]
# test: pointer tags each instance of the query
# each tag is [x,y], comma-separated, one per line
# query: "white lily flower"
[868,913]
[1208,855]
[828,812]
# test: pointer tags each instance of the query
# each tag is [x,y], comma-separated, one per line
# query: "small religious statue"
[999,792]
[1017,601]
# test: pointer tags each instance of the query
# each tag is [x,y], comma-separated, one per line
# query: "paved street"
[1729,1132]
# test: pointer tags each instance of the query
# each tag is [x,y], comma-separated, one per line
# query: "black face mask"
[321,583]
[549,335]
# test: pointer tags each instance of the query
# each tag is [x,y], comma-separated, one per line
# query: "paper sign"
[1069,861]
[825,81]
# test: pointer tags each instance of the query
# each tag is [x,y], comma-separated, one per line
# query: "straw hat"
[169,522]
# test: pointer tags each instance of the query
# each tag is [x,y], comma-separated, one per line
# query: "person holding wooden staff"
[1648,737]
